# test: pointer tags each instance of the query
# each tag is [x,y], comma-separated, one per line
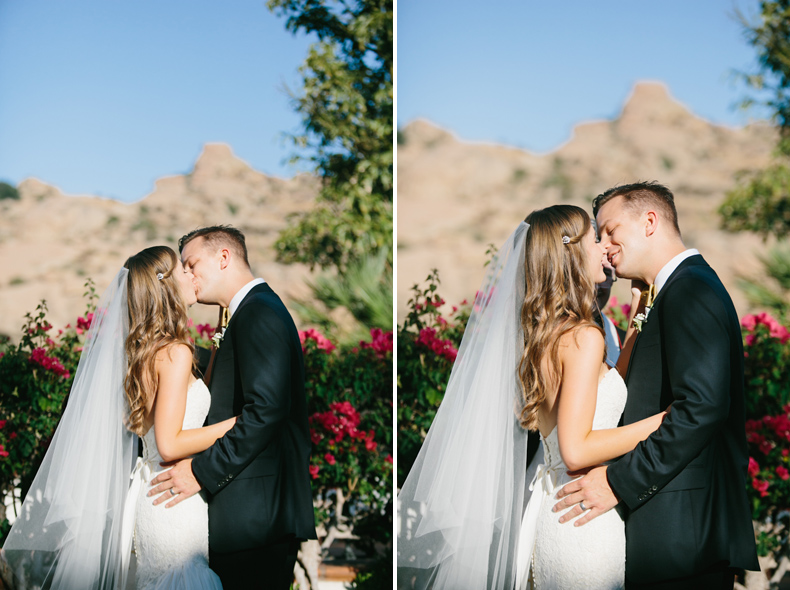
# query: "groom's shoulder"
[262,302]
[695,279]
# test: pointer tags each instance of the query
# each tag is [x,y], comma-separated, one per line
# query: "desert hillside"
[50,243]
[456,197]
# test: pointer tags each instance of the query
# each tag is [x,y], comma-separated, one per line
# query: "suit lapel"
[695,260]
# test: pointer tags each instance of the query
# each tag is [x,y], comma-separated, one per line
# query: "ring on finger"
[583,507]
[173,492]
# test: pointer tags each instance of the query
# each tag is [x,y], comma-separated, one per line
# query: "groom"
[682,491]
[256,478]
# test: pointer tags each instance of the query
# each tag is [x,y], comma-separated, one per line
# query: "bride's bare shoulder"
[584,340]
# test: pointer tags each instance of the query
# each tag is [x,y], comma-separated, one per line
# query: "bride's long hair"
[559,298]
[157,320]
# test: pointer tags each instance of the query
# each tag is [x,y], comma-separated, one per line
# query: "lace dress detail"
[171,544]
[565,556]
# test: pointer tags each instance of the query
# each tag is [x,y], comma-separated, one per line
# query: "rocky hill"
[456,197]
[50,243]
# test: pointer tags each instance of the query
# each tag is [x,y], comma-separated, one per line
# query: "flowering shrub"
[766,369]
[766,365]
[427,347]
[349,394]
[618,312]
[35,378]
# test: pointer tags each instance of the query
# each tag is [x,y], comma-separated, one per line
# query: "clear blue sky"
[104,97]
[524,72]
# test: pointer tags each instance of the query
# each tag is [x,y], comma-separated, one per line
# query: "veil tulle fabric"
[69,532]
[460,507]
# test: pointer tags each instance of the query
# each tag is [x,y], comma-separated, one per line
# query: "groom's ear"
[651,222]
[224,258]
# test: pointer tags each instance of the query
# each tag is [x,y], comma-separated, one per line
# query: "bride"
[135,377]
[531,359]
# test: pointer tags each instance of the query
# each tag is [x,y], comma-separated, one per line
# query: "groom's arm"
[697,347]
[696,344]
[262,346]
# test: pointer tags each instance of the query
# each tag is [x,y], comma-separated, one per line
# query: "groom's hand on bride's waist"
[176,484]
[590,495]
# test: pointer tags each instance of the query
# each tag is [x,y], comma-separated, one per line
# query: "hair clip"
[566,240]
[160,276]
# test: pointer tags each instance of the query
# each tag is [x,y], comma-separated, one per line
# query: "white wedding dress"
[565,556]
[171,544]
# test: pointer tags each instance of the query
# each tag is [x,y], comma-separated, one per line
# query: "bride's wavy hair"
[157,319]
[559,298]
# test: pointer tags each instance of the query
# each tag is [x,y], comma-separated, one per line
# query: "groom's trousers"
[269,568]
[718,577]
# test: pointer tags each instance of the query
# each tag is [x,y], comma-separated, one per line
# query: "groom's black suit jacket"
[256,478]
[682,491]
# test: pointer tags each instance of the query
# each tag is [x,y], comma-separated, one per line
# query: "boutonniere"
[648,296]
[640,319]
[218,336]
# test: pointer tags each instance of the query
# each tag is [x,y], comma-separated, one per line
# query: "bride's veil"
[68,534]
[460,508]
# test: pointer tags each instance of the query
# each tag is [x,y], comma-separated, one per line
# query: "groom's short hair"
[218,236]
[640,195]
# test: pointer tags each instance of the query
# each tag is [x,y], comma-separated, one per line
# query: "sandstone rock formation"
[456,197]
[50,243]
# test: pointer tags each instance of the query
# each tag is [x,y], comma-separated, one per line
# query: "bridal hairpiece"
[566,240]
[160,276]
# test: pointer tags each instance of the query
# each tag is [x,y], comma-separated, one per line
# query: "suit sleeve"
[263,350]
[697,348]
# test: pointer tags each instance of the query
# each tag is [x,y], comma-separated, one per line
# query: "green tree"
[8,191]
[346,104]
[760,202]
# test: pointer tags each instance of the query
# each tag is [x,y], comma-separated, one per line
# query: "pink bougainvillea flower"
[761,486]
[39,357]
[444,348]
[321,341]
[754,468]
[783,473]
[329,458]
[314,469]
[380,342]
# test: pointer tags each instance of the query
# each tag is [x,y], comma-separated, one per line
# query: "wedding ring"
[173,492]
[582,505]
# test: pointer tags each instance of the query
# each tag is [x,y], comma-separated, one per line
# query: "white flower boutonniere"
[640,319]
[217,337]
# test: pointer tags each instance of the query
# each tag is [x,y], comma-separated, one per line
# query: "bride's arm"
[637,306]
[581,446]
[173,368]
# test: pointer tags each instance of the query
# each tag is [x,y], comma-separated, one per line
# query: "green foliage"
[346,104]
[364,288]
[760,203]
[8,191]
[427,345]
[775,294]
[377,577]
[770,36]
